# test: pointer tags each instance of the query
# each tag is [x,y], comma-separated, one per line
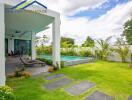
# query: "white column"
[10,45]
[56,42]
[2,45]
[33,46]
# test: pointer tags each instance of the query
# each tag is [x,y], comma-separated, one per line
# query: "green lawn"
[114,79]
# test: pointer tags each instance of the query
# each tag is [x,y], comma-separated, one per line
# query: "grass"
[114,79]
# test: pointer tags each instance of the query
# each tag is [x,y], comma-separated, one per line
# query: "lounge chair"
[31,63]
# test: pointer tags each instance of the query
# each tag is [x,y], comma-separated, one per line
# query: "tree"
[67,42]
[122,49]
[128,31]
[89,42]
[41,40]
[44,39]
[104,48]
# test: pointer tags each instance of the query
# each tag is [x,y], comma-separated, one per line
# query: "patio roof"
[25,21]
[28,21]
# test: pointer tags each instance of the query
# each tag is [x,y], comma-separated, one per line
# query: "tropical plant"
[69,52]
[44,50]
[128,31]
[122,49]
[67,42]
[86,53]
[89,42]
[41,40]
[104,48]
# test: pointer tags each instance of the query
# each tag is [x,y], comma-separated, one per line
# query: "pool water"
[63,58]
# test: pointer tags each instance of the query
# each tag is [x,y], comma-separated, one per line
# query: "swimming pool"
[63,58]
[70,60]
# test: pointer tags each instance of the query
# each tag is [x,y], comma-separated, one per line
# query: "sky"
[95,18]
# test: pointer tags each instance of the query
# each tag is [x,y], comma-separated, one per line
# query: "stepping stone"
[55,76]
[99,96]
[130,98]
[57,84]
[79,88]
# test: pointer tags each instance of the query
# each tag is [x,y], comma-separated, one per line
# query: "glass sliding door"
[22,46]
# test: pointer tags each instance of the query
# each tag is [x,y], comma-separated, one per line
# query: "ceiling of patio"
[25,22]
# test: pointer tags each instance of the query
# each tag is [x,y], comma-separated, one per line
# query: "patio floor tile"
[99,96]
[57,84]
[55,76]
[79,88]
[130,98]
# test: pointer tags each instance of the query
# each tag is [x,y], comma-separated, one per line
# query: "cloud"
[108,24]
[71,7]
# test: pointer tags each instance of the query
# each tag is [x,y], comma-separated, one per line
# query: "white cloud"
[70,7]
[108,24]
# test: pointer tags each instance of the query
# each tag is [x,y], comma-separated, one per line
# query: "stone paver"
[57,84]
[130,98]
[99,96]
[55,76]
[80,88]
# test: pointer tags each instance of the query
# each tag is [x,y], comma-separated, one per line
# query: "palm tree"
[122,49]
[44,39]
[104,48]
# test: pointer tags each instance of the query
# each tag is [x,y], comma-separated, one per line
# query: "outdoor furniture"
[31,63]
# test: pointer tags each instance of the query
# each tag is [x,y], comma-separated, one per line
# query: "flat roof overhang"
[25,21]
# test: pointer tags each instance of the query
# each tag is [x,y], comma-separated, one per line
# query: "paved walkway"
[99,96]
[80,88]
[58,84]
[60,80]
[130,98]
[11,67]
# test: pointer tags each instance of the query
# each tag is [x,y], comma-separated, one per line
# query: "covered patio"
[18,28]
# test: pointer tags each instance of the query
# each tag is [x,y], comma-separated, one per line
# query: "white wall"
[2,46]
[116,57]
[56,42]
[10,45]
[33,47]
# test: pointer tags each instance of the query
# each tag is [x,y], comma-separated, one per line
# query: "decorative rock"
[99,96]
[80,88]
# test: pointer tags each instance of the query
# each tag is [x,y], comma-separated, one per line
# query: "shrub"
[44,50]
[20,73]
[49,62]
[86,53]
[26,74]
[69,52]
[6,93]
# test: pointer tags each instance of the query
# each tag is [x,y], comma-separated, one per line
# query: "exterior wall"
[2,45]
[33,47]
[10,45]
[115,56]
[56,42]
[56,31]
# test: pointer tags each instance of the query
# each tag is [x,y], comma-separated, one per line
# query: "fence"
[112,57]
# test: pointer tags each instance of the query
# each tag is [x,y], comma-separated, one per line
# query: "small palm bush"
[122,49]
[6,93]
